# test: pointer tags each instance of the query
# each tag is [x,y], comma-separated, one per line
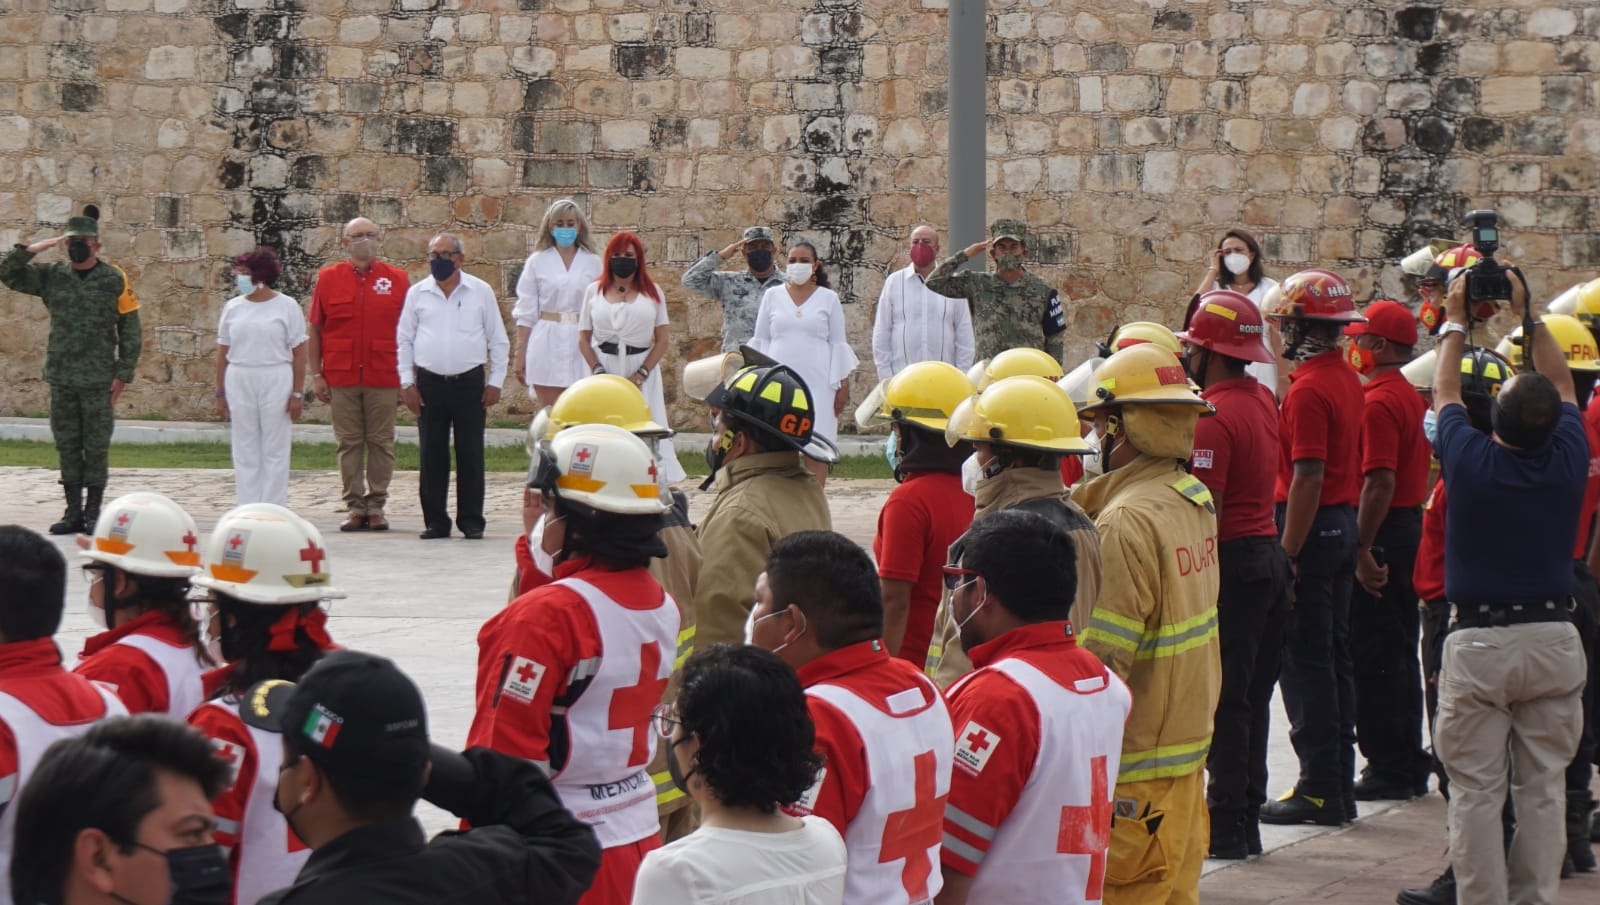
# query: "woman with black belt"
[623,330]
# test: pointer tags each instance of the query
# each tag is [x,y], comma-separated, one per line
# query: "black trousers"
[1317,678]
[452,405]
[1252,607]
[1383,650]
[1586,596]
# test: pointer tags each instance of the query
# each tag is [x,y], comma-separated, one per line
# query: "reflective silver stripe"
[963,849]
[543,765]
[583,670]
[968,822]
[231,827]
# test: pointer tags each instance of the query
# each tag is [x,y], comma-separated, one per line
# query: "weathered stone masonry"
[1128,133]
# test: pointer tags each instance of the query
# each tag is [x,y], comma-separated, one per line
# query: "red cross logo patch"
[522,680]
[121,524]
[974,745]
[583,458]
[233,550]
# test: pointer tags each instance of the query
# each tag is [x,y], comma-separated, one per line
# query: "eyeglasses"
[954,574]
[665,720]
[443,255]
[94,574]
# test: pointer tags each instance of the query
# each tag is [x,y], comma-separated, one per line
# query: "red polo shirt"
[1234,451]
[1427,573]
[1591,490]
[358,313]
[1392,438]
[917,525]
[1321,420]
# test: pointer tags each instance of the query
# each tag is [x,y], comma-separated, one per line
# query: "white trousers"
[258,399]
[625,365]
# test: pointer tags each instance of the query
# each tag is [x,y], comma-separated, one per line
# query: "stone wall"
[1128,133]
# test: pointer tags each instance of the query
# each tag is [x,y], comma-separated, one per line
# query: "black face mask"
[199,875]
[679,778]
[1514,432]
[288,816]
[759,261]
[78,252]
[622,268]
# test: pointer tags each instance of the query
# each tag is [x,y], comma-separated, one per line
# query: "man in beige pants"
[355,309]
[1513,668]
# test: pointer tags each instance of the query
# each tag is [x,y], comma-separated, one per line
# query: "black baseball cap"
[356,715]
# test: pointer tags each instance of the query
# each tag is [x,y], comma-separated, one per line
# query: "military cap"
[83,226]
[1009,229]
[758,234]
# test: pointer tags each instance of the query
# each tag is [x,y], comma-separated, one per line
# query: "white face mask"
[1091,463]
[97,613]
[541,558]
[799,273]
[971,472]
[1236,263]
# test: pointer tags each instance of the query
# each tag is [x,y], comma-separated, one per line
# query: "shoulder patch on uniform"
[1195,491]
[231,753]
[1055,319]
[127,302]
[974,745]
[1204,458]
[807,803]
[522,679]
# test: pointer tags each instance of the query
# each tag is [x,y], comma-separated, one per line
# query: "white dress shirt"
[914,324]
[451,335]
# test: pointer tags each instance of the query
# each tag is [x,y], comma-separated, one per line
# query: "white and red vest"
[1052,847]
[893,842]
[267,856]
[181,667]
[605,781]
[33,734]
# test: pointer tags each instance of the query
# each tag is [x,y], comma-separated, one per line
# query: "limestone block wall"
[1129,133]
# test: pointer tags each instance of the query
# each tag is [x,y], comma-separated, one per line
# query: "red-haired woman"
[623,330]
[261,365]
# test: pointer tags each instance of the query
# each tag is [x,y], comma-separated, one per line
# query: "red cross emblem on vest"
[631,706]
[1087,830]
[910,833]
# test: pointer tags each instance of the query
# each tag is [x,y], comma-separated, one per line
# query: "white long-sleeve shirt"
[451,335]
[913,323]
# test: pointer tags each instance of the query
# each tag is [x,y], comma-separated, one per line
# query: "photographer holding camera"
[1513,667]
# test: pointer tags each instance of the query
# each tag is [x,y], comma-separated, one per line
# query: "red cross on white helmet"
[144,533]
[264,554]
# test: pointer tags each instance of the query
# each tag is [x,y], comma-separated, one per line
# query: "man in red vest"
[355,309]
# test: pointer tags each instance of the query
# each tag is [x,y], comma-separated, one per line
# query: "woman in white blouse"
[261,364]
[622,330]
[740,742]
[801,324]
[549,299]
[1236,264]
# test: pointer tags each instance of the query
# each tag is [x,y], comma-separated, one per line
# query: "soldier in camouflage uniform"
[1011,307]
[739,291]
[93,348]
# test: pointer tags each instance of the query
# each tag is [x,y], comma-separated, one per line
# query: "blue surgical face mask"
[891,450]
[1430,424]
[565,236]
[244,283]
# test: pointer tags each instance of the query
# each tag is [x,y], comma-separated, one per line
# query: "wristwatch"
[1452,327]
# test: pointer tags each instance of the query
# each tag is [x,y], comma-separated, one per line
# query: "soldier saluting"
[1011,307]
[92,351]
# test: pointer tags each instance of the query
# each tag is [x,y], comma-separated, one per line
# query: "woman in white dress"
[261,366]
[549,300]
[741,743]
[622,330]
[801,324]
[1236,264]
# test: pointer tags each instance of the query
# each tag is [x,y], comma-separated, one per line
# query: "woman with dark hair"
[623,330]
[1236,264]
[261,365]
[266,570]
[740,743]
[139,561]
[569,673]
[801,324]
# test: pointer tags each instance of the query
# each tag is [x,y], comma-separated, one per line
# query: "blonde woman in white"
[550,296]
[623,331]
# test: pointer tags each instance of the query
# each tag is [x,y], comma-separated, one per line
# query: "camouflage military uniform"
[94,339]
[1005,315]
[739,292]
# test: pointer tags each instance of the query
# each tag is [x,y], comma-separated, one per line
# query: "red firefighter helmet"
[1317,295]
[1450,261]
[1228,323]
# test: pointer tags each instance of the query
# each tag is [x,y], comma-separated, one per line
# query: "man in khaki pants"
[355,309]
[1513,669]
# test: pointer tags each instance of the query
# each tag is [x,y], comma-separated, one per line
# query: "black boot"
[1580,813]
[72,520]
[1228,841]
[1440,892]
[91,507]
[1296,808]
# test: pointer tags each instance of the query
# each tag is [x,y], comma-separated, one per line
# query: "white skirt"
[624,365]
[553,359]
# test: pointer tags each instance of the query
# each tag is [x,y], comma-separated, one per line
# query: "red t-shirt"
[1591,490]
[1322,421]
[1234,451]
[1427,573]
[917,525]
[1392,438]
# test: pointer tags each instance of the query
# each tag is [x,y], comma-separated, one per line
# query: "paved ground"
[421,602]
